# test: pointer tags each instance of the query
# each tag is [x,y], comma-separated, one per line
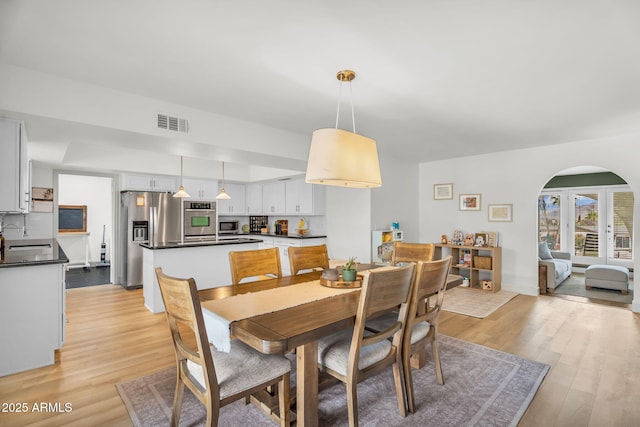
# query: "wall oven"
[199,219]
[228,227]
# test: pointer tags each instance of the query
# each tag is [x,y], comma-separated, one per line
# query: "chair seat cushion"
[242,368]
[420,330]
[333,352]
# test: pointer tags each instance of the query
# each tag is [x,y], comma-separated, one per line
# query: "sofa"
[558,265]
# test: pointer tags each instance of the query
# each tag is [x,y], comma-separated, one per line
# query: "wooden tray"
[342,284]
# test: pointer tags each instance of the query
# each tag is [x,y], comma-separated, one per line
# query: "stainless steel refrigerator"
[145,217]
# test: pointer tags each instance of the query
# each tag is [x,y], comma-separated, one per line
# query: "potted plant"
[349,270]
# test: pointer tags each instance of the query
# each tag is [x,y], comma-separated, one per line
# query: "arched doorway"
[585,214]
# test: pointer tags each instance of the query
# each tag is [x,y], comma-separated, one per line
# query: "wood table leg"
[307,385]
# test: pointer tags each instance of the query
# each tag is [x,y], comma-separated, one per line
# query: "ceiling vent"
[173,123]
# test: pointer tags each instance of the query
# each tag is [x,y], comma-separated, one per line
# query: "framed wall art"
[501,213]
[470,202]
[442,191]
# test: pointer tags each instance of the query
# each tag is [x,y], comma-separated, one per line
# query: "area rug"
[574,285]
[482,387]
[475,302]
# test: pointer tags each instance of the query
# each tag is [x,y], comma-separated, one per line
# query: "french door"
[598,223]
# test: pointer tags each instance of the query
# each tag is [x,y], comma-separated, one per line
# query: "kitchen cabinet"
[253,194]
[149,183]
[235,205]
[32,309]
[201,189]
[15,191]
[304,198]
[273,198]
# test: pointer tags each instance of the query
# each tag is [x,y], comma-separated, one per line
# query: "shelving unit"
[478,263]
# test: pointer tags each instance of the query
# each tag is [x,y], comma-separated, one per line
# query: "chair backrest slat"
[257,262]
[412,252]
[307,258]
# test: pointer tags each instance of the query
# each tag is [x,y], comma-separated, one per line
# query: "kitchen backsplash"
[315,223]
[38,226]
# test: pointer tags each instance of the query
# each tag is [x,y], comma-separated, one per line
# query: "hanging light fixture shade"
[181,193]
[341,158]
[222,195]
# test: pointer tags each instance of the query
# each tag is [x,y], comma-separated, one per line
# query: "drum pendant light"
[223,194]
[181,193]
[341,158]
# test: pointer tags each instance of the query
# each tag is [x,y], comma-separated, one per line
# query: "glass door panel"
[549,220]
[588,247]
[620,228]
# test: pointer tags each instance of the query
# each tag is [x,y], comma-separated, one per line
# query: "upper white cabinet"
[273,198]
[15,188]
[254,198]
[235,205]
[149,183]
[304,198]
[204,189]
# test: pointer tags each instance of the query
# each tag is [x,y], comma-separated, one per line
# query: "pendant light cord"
[353,115]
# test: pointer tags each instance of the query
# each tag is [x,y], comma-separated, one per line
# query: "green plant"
[349,265]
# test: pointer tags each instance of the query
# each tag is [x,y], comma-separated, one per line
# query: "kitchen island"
[207,261]
[32,304]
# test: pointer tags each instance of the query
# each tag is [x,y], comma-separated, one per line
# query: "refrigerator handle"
[153,221]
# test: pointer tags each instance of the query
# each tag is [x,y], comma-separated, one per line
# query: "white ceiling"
[435,79]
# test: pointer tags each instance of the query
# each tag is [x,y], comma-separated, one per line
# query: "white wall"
[517,177]
[397,199]
[348,222]
[94,192]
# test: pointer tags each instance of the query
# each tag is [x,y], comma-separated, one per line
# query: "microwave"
[228,227]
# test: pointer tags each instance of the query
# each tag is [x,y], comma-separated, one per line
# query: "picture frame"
[469,202]
[501,213]
[443,191]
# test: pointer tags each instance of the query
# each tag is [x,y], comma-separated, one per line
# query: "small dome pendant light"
[223,194]
[181,193]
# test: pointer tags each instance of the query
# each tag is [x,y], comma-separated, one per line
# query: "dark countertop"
[29,252]
[194,243]
[289,236]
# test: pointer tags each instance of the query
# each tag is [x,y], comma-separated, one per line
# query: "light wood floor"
[593,350]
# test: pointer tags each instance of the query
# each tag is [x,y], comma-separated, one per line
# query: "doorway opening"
[586,215]
[89,251]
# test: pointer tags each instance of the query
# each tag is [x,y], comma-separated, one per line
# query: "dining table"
[297,328]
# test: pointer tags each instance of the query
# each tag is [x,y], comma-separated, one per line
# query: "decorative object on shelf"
[341,158]
[465,282]
[492,238]
[181,194]
[480,240]
[349,270]
[442,191]
[458,237]
[468,240]
[487,285]
[245,228]
[41,199]
[501,213]
[470,202]
[443,239]
[222,195]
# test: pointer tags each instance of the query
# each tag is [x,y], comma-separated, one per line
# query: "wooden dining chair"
[422,323]
[352,355]
[308,258]
[235,375]
[255,263]
[411,252]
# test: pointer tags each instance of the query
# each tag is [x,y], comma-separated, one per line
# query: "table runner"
[218,314]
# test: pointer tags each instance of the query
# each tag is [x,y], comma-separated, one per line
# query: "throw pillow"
[543,251]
